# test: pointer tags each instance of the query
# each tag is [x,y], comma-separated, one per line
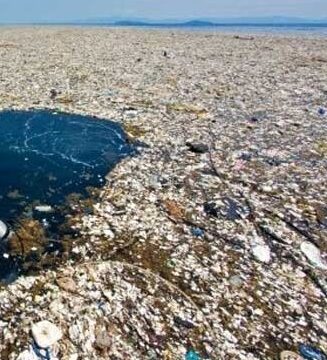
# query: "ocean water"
[300,30]
[45,157]
[311,30]
[307,29]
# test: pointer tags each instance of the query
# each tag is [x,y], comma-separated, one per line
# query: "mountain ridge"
[272,20]
[195,22]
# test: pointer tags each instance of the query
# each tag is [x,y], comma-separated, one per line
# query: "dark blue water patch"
[302,29]
[46,156]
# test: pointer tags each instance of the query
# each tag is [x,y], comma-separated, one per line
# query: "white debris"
[44,208]
[3,230]
[261,253]
[313,255]
[290,355]
[46,334]
[28,355]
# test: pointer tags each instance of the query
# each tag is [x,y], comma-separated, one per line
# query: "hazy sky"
[63,10]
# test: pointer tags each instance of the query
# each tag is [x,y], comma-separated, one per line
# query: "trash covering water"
[45,156]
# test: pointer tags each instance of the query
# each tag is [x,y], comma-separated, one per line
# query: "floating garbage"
[35,353]
[254,119]
[183,323]
[236,281]
[3,230]
[210,208]
[262,253]
[233,210]
[321,214]
[53,94]
[197,232]
[45,334]
[289,355]
[322,111]
[43,354]
[313,254]
[246,156]
[197,148]
[44,208]
[192,355]
[311,353]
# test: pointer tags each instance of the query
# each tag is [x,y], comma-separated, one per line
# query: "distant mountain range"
[211,22]
[203,22]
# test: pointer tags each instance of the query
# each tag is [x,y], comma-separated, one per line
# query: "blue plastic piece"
[322,111]
[197,232]
[38,352]
[192,355]
[310,353]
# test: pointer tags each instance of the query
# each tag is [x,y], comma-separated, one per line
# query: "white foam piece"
[3,230]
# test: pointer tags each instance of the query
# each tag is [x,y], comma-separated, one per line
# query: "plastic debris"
[53,94]
[44,208]
[43,354]
[3,230]
[233,210]
[254,119]
[198,148]
[28,355]
[311,353]
[289,355]
[210,208]
[321,214]
[322,111]
[183,323]
[313,254]
[45,334]
[236,281]
[197,232]
[261,253]
[36,353]
[67,284]
[246,156]
[103,340]
[192,355]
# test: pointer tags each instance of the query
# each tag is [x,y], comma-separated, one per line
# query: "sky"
[67,10]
